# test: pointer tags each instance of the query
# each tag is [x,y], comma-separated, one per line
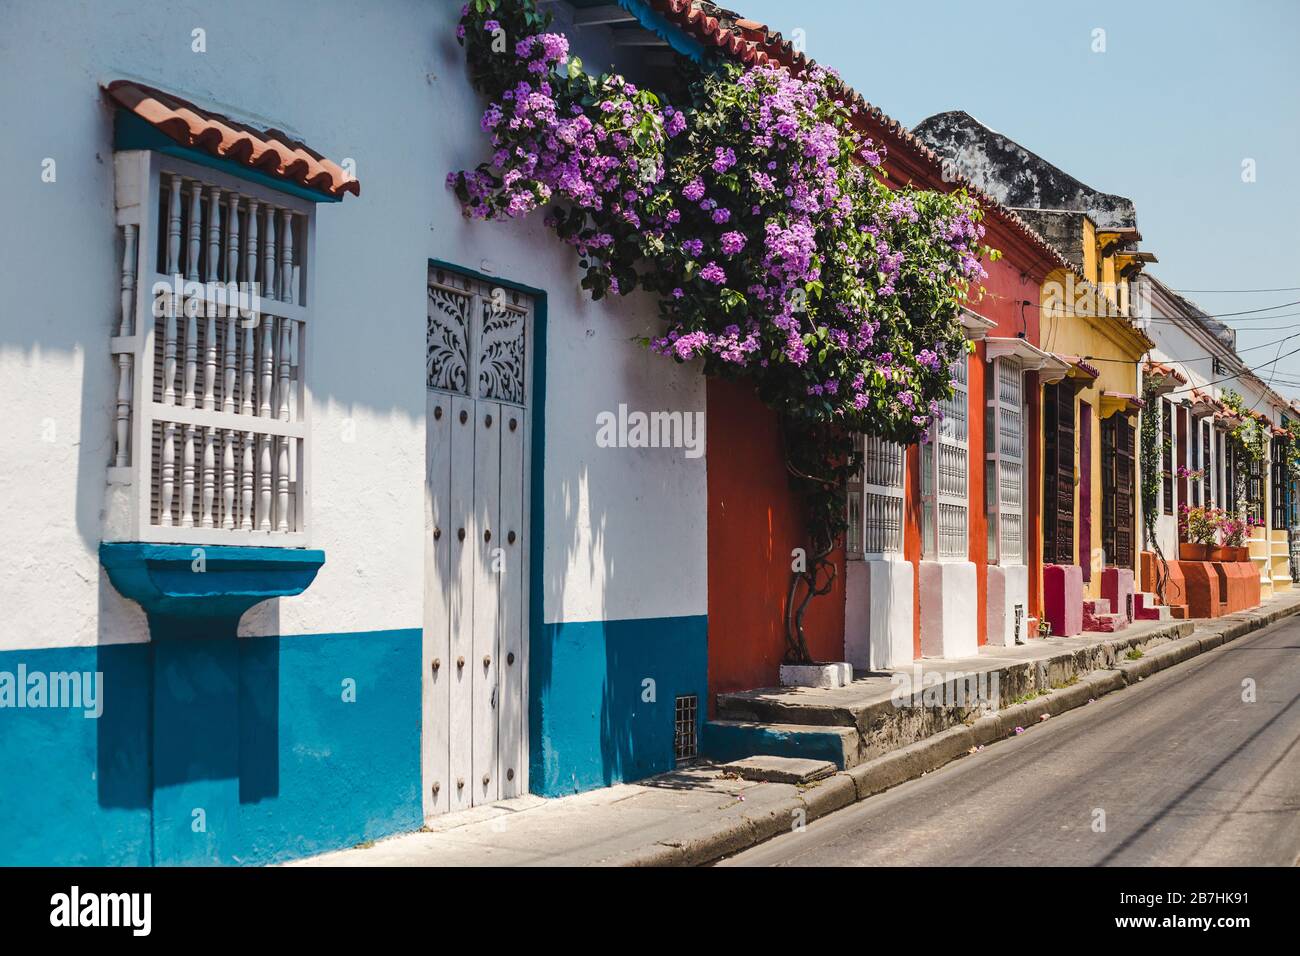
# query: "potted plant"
[1202,527]
[1222,551]
[1232,532]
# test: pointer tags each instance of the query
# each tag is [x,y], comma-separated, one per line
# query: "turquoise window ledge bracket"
[198,583]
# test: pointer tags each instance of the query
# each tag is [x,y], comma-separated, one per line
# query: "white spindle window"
[945,463]
[1004,436]
[876,499]
[211,424]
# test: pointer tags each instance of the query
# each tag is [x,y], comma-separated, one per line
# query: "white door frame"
[472,371]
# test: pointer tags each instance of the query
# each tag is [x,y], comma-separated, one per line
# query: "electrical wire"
[1168,318]
[1200,358]
[1237,291]
[1245,371]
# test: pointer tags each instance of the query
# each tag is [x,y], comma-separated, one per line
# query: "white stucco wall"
[383,84]
[1184,345]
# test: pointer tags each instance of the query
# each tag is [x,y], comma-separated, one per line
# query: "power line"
[1165,318]
[1200,358]
[1237,291]
[1245,371]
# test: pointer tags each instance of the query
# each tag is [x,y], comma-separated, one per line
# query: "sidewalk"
[700,814]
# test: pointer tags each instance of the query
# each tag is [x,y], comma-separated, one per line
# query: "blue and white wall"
[621,580]
[622,583]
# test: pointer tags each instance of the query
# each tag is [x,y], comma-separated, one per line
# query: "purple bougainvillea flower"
[713,273]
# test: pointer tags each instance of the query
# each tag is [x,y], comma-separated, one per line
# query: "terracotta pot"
[1188,551]
[1223,554]
[1243,552]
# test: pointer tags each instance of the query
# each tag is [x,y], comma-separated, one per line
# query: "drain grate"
[685,738]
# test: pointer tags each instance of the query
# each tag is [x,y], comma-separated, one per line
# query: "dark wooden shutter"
[1125,480]
[1279,485]
[1108,487]
[1058,474]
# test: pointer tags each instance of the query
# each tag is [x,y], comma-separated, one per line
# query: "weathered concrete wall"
[1014,175]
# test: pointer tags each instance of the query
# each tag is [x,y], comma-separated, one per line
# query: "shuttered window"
[1004,465]
[945,468]
[1058,474]
[1117,477]
[876,499]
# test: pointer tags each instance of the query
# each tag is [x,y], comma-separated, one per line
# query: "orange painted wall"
[754,524]
[912,540]
[1012,299]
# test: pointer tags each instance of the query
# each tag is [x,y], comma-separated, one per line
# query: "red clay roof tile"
[271,151]
[1168,371]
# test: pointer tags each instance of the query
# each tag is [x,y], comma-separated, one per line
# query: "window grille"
[1004,441]
[1278,490]
[876,499]
[1223,480]
[1195,450]
[1255,490]
[211,417]
[685,720]
[1207,468]
[1167,457]
[945,463]
[475,342]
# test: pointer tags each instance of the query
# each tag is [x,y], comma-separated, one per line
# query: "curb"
[882,773]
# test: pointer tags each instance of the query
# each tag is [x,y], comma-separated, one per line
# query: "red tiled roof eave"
[270,151]
[1167,371]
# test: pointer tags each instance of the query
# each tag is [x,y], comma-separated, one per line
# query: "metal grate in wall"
[685,737]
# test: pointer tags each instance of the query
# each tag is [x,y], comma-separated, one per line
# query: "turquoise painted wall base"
[320,767]
[194,597]
[603,695]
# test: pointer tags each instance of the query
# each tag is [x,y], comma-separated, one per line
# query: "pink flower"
[713,273]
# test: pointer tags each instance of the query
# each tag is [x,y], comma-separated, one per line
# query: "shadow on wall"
[603,680]
[316,768]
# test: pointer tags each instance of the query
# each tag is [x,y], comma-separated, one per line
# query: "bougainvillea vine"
[758,215]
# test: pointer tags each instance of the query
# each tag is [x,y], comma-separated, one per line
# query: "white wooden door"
[479,344]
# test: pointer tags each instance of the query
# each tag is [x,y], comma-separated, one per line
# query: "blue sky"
[1183,93]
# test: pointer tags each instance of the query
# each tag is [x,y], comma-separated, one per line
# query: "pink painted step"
[1098,617]
[1146,607]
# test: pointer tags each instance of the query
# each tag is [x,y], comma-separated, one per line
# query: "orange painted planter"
[1192,552]
[1241,590]
[1223,554]
[1203,589]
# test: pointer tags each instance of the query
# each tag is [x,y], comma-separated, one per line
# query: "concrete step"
[1146,607]
[1104,623]
[1098,617]
[733,740]
[767,769]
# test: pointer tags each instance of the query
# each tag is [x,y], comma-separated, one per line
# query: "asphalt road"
[1185,772]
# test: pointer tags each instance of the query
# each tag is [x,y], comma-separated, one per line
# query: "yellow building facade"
[1089,424]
